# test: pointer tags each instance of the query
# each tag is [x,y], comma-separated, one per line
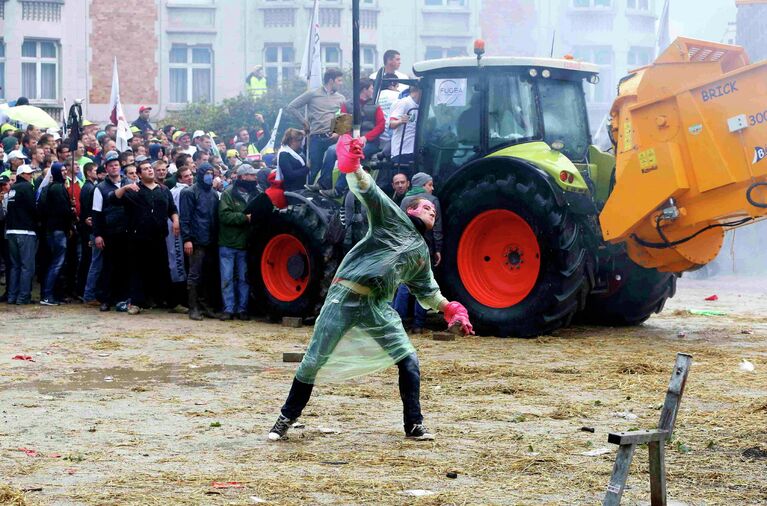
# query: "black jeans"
[149,283]
[409,391]
[113,280]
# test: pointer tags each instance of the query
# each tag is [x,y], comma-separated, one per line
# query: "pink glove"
[456,316]
[349,153]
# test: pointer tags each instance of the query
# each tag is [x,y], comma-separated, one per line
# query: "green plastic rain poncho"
[357,331]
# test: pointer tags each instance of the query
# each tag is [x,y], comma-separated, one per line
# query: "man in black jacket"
[198,206]
[20,226]
[85,226]
[148,206]
[110,236]
[57,214]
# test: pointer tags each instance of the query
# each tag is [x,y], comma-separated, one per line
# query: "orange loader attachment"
[690,134]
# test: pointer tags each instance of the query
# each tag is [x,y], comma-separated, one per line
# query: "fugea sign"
[450,92]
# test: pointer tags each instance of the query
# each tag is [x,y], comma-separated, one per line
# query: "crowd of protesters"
[165,221]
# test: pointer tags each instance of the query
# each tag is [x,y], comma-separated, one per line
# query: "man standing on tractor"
[402,121]
[357,331]
[322,105]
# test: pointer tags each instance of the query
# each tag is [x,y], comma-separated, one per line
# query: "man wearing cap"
[148,206]
[199,216]
[233,240]
[255,83]
[183,141]
[142,122]
[110,235]
[202,141]
[20,230]
[15,160]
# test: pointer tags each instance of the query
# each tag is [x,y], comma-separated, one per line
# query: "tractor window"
[564,116]
[512,115]
[450,135]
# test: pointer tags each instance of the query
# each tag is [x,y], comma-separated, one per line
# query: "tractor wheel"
[634,294]
[514,257]
[295,261]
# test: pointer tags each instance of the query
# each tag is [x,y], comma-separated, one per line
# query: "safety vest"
[256,87]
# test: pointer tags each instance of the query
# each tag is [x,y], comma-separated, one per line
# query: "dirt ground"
[153,409]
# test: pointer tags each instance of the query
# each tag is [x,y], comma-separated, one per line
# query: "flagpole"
[356,67]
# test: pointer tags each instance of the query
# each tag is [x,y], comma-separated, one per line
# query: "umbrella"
[31,115]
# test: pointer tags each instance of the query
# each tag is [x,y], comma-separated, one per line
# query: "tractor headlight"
[546,73]
[533,73]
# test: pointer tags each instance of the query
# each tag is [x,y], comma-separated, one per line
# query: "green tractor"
[508,144]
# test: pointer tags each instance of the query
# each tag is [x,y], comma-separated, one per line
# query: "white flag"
[311,65]
[269,148]
[116,114]
[664,35]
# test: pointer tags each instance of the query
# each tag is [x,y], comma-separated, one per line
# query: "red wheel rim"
[278,279]
[499,258]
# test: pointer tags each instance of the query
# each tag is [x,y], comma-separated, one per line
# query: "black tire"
[639,294]
[562,283]
[319,266]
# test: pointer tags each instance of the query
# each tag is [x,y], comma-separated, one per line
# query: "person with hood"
[20,231]
[156,152]
[199,217]
[58,215]
[357,331]
[234,227]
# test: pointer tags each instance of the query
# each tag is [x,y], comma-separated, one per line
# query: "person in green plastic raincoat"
[357,331]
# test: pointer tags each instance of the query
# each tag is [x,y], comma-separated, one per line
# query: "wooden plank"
[674,393]
[290,321]
[620,473]
[443,336]
[292,356]
[637,437]
[657,474]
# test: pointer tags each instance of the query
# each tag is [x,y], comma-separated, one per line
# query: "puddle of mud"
[120,378]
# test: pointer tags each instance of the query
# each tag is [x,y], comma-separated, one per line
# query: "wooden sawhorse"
[655,439]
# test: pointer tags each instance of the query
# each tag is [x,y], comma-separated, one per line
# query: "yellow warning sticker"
[647,160]
[628,135]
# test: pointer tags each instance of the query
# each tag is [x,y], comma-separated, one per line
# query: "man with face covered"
[199,219]
[357,331]
[234,226]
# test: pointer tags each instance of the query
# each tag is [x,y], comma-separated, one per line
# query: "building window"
[368,59]
[445,3]
[2,9]
[40,10]
[588,4]
[369,20]
[604,91]
[279,17]
[330,17]
[638,5]
[279,64]
[434,52]
[2,65]
[40,69]
[191,74]
[331,55]
[640,56]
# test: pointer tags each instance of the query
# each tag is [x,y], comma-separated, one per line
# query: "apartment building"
[172,52]
[750,28]
[617,35]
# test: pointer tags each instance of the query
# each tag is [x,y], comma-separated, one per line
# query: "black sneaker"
[280,429]
[419,433]
[48,302]
[104,307]
[225,317]
[243,316]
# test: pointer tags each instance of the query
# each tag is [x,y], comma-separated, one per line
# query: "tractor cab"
[472,108]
